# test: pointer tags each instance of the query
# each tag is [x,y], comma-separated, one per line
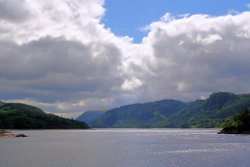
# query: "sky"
[129,17]
[70,56]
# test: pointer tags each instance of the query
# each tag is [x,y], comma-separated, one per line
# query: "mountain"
[211,112]
[207,113]
[147,115]
[1,103]
[90,116]
[22,116]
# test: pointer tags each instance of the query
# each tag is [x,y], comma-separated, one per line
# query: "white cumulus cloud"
[57,54]
[196,55]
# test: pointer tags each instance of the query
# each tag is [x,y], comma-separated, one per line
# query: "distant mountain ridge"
[211,112]
[147,115]
[1,103]
[207,113]
[90,116]
[22,116]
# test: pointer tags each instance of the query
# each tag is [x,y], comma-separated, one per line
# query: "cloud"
[12,10]
[196,55]
[58,55]
[248,5]
[131,84]
[73,20]
[60,67]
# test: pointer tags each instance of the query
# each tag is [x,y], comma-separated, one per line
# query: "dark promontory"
[22,116]
[239,125]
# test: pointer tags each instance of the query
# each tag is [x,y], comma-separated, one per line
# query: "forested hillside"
[22,116]
[207,113]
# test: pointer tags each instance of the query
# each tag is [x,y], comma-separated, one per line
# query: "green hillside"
[22,116]
[207,113]
[148,115]
[211,112]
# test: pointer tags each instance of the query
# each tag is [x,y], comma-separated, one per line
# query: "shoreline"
[6,134]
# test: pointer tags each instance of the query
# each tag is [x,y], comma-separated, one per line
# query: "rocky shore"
[5,134]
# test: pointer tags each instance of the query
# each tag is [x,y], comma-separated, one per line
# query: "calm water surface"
[126,148]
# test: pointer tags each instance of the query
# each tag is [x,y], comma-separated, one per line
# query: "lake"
[126,148]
